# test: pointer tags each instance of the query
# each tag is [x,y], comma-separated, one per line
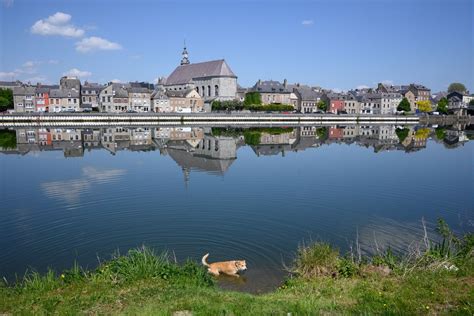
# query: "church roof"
[186,73]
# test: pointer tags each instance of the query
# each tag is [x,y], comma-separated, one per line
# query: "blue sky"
[334,44]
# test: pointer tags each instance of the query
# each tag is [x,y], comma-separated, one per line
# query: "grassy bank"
[437,279]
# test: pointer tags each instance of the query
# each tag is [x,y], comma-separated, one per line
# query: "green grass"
[321,281]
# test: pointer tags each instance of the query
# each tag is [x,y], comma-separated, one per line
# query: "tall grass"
[448,253]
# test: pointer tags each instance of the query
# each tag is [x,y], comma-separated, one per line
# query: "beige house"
[160,103]
[275,92]
[185,101]
[139,99]
[410,96]
[114,98]
[24,98]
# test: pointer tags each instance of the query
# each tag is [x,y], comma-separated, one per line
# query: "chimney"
[259,81]
[285,83]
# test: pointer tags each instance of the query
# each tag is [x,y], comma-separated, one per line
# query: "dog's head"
[241,265]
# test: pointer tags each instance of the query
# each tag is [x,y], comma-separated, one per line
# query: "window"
[216,90]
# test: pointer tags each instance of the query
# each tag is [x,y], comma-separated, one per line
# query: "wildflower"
[427,307]
[62,276]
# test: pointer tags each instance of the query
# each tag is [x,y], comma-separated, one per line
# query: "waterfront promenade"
[78,119]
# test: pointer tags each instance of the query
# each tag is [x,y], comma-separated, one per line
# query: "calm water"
[71,194]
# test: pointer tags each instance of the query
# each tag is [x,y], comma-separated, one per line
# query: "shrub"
[404,105]
[317,259]
[402,133]
[252,98]
[347,267]
[7,139]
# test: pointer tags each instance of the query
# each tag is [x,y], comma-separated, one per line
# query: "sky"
[336,44]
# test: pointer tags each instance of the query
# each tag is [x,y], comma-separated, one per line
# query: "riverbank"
[438,279]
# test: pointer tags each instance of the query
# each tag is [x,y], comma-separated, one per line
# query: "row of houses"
[192,87]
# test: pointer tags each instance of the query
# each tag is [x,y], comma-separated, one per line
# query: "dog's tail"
[203,260]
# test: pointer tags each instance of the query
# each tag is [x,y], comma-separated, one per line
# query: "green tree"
[442,106]
[322,105]
[402,133]
[322,133]
[471,103]
[424,106]
[7,139]
[457,86]
[252,98]
[440,133]
[6,99]
[404,105]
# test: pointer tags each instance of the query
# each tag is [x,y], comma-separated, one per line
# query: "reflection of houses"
[274,144]
[212,154]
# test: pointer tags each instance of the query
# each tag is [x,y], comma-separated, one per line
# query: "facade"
[421,92]
[185,101]
[114,98]
[410,96]
[90,95]
[275,92]
[160,102]
[389,102]
[24,98]
[212,80]
[66,97]
[307,99]
[370,103]
[335,102]
[351,103]
[139,99]
[42,99]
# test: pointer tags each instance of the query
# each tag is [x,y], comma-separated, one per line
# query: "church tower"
[185,59]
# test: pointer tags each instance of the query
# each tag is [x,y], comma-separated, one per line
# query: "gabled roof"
[308,94]
[271,86]
[24,90]
[186,73]
[178,93]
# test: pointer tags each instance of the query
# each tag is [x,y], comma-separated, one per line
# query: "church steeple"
[185,59]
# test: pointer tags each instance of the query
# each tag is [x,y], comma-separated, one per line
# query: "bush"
[317,259]
[7,139]
[347,268]
[404,105]
[252,98]
[270,107]
[252,138]
[402,133]
[231,105]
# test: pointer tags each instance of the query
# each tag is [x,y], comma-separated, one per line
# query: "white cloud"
[74,72]
[116,81]
[94,43]
[8,75]
[155,81]
[362,86]
[57,24]
[37,79]
[71,190]
[53,62]
[307,22]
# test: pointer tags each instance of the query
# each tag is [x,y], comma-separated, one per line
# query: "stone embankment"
[93,119]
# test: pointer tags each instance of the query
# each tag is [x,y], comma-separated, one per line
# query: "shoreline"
[436,278]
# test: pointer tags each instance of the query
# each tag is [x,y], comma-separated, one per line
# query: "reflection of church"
[208,153]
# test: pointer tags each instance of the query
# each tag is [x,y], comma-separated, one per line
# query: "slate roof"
[64,93]
[308,94]
[186,73]
[178,93]
[270,86]
[24,90]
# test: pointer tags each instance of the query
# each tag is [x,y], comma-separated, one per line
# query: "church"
[213,80]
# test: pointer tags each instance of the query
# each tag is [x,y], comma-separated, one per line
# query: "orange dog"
[227,267]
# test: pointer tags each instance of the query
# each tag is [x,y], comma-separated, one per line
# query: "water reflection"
[121,187]
[213,149]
